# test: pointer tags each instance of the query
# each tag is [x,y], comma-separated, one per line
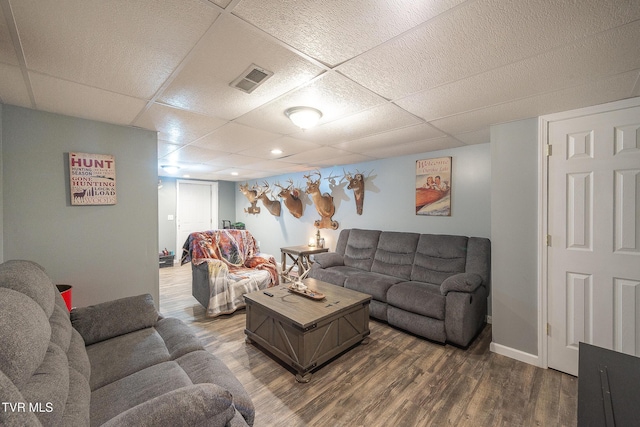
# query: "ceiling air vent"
[251,78]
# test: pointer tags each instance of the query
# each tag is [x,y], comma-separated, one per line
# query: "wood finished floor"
[397,379]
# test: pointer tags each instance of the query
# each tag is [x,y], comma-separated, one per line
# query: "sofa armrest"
[200,404]
[113,318]
[328,259]
[461,282]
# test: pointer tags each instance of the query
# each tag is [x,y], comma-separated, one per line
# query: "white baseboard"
[531,359]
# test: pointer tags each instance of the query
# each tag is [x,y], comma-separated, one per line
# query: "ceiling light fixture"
[276,151]
[304,117]
[170,168]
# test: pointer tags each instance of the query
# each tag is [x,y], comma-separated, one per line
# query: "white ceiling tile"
[475,137]
[233,160]
[480,36]
[607,53]
[242,174]
[459,65]
[416,147]
[226,50]
[379,119]
[312,157]
[598,92]
[7,52]
[222,3]
[122,46]
[194,170]
[166,147]
[346,159]
[274,166]
[287,145]
[178,126]
[192,154]
[333,32]
[77,100]
[334,95]
[397,136]
[233,138]
[13,89]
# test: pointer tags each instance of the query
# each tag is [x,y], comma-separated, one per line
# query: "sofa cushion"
[361,248]
[374,284]
[395,254]
[438,257]
[134,389]
[341,244]
[178,337]
[202,367]
[423,326]
[22,353]
[328,259]
[142,348]
[9,393]
[334,275]
[29,278]
[49,385]
[418,297]
[96,322]
[196,405]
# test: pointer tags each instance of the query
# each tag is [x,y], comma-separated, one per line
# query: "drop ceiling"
[390,77]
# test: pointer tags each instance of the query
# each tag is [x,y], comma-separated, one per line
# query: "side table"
[300,256]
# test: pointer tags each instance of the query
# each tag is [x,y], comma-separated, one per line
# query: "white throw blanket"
[227,289]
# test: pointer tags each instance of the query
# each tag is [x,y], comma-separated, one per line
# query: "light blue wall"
[105,252]
[389,202]
[514,235]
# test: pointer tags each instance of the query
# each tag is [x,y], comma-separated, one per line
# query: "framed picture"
[93,179]
[433,187]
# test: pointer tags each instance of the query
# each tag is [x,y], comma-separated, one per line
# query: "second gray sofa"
[118,363]
[434,286]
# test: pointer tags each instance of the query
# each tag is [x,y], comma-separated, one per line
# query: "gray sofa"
[119,363]
[434,286]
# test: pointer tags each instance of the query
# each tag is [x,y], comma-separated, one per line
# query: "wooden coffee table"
[305,333]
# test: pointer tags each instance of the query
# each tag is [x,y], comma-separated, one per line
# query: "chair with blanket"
[225,265]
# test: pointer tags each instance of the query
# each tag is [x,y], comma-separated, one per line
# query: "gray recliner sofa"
[118,363]
[434,286]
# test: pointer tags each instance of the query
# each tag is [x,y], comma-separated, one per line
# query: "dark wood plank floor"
[397,379]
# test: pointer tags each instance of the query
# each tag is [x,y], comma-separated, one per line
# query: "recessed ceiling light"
[304,117]
[235,173]
[276,151]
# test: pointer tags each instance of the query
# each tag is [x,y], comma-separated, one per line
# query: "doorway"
[592,269]
[196,208]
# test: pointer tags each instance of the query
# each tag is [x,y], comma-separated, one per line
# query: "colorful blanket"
[234,264]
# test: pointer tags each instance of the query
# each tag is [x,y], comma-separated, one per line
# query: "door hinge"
[548,329]
[548,150]
[548,239]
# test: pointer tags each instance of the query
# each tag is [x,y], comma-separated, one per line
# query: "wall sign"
[433,187]
[93,179]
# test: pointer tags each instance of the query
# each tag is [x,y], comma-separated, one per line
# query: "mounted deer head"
[323,202]
[252,196]
[291,198]
[356,183]
[273,206]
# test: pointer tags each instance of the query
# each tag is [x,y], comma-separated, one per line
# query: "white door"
[197,209]
[594,227]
